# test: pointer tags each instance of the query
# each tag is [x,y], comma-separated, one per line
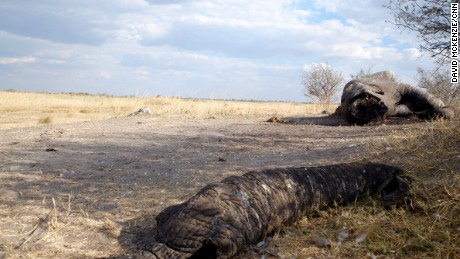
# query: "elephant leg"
[447,112]
[422,104]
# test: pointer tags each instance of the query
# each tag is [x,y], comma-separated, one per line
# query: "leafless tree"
[321,82]
[430,20]
[438,84]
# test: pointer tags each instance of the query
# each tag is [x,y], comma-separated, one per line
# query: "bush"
[438,84]
[320,83]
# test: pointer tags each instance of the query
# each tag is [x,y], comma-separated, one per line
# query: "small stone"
[361,237]
[145,110]
[141,111]
[321,242]
[261,244]
[344,234]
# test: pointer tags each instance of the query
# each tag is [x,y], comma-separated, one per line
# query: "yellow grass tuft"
[45,120]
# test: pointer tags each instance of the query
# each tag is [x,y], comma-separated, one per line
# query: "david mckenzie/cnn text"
[454,43]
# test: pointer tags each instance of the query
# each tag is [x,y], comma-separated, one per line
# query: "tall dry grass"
[23,109]
[429,227]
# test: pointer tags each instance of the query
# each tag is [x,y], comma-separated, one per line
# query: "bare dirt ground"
[92,189]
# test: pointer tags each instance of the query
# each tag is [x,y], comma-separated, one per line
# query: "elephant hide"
[379,95]
[225,217]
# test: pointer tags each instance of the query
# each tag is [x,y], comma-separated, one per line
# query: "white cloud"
[413,53]
[105,74]
[231,48]
[55,61]
[142,73]
[16,60]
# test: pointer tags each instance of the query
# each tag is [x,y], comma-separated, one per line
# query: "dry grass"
[23,109]
[63,229]
[431,156]
[429,228]
[45,120]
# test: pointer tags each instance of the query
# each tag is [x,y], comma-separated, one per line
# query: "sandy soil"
[97,186]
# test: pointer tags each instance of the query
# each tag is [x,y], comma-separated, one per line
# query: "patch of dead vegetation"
[37,225]
[428,227]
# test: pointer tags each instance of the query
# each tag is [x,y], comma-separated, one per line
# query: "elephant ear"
[395,192]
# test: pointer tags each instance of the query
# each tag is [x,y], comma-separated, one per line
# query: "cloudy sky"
[196,48]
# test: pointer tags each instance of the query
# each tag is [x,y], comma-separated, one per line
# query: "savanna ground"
[81,179]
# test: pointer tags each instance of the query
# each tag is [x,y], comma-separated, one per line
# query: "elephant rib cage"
[224,217]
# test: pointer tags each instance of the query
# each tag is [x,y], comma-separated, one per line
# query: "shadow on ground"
[331,120]
[334,121]
[137,234]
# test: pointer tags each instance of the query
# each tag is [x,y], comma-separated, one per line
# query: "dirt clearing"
[99,185]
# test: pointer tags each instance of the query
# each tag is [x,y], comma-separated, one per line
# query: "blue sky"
[231,49]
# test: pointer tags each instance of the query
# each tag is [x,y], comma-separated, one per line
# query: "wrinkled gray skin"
[379,95]
[223,218]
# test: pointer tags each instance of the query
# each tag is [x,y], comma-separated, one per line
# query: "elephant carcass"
[379,95]
[225,217]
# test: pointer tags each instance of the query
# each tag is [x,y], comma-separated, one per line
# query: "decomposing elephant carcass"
[375,97]
[225,217]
